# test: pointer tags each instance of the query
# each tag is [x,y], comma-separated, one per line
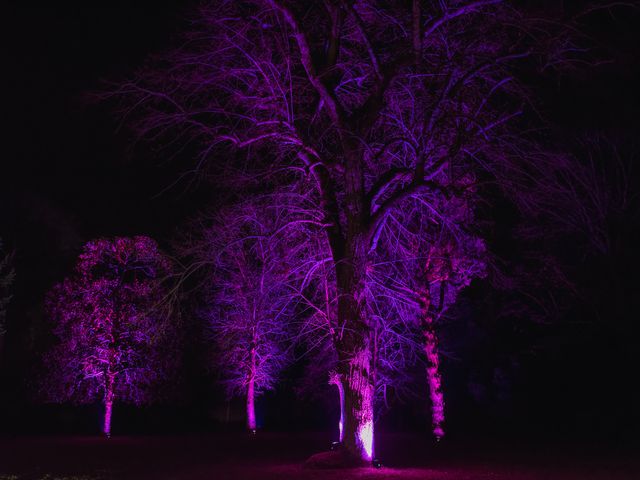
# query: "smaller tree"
[250,302]
[427,257]
[114,339]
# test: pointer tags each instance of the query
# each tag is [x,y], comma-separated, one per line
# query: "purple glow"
[362,407]
[386,147]
[251,393]
[435,384]
[106,426]
[114,341]
[334,379]
[249,303]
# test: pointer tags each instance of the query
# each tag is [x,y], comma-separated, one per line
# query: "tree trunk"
[108,405]
[341,421]
[358,419]
[251,407]
[337,381]
[435,382]
[354,352]
[251,394]
[433,369]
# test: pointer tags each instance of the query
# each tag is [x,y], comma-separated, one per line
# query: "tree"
[395,343]
[380,105]
[423,263]
[114,340]
[249,299]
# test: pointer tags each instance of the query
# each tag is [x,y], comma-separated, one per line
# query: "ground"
[281,456]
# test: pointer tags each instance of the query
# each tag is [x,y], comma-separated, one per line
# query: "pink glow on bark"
[106,428]
[433,369]
[334,379]
[251,388]
[435,384]
[365,437]
[113,344]
[361,391]
[251,407]
[108,403]
[359,186]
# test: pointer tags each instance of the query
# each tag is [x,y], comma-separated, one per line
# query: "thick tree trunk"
[341,421]
[433,369]
[435,382]
[355,352]
[358,420]
[108,405]
[251,407]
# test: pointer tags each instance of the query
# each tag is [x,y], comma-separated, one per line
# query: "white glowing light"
[365,434]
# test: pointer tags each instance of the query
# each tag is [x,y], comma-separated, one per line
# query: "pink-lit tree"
[250,296]
[425,257]
[373,104]
[113,328]
[395,339]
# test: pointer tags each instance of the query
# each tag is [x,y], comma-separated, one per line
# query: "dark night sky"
[68,174]
[68,157]
[63,152]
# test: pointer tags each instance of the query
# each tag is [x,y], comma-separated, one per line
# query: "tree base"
[338,458]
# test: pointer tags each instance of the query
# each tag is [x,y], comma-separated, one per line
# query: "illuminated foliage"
[249,295]
[381,109]
[114,340]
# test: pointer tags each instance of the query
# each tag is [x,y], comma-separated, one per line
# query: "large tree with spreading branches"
[382,107]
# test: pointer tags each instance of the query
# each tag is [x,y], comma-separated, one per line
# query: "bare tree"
[250,296]
[376,104]
[425,257]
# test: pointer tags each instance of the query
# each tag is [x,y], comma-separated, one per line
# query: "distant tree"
[249,295]
[114,337]
[7,276]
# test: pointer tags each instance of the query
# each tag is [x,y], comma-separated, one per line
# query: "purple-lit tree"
[424,260]
[250,298]
[395,339]
[113,328]
[379,105]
